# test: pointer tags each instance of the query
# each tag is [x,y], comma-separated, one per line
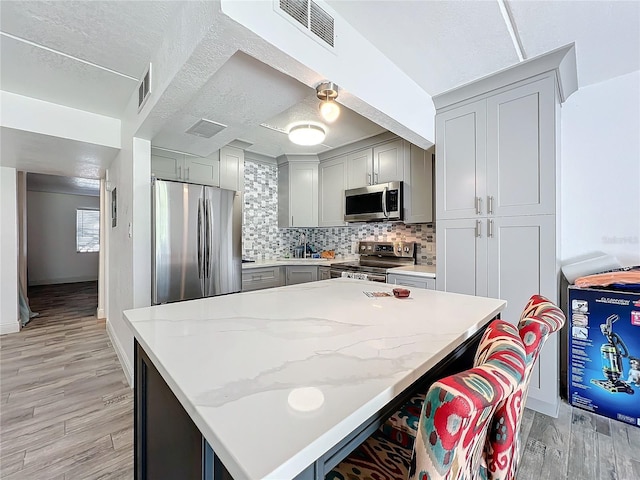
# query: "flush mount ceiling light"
[329,109]
[307,134]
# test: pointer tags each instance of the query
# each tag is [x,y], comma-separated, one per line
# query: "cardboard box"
[604,352]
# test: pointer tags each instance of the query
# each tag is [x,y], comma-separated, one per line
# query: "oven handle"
[372,277]
[384,202]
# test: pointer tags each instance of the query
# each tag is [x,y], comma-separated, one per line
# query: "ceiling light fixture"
[307,134]
[329,109]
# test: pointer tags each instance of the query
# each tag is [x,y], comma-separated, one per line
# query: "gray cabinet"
[415,281]
[301,274]
[332,178]
[324,273]
[232,168]
[298,194]
[169,165]
[418,185]
[262,277]
[379,164]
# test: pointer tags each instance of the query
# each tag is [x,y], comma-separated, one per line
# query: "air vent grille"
[321,23]
[312,17]
[206,128]
[144,89]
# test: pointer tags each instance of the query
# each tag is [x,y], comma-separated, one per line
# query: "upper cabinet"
[224,168]
[298,194]
[395,160]
[380,164]
[496,157]
[232,168]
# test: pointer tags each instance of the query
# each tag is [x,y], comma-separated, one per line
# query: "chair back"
[539,319]
[457,410]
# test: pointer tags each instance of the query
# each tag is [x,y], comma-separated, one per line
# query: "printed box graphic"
[604,352]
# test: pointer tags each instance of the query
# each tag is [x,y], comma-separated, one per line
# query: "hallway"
[67,410]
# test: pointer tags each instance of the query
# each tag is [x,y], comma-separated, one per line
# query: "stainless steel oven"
[374,203]
[375,259]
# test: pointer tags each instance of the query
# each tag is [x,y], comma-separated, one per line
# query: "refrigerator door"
[223,237]
[177,238]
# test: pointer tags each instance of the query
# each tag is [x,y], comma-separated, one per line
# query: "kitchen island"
[283,383]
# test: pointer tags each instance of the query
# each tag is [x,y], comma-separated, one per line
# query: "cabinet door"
[205,171]
[522,260]
[303,194]
[460,161]
[232,168]
[411,281]
[418,186]
[166,165]
[301,274]
[461,252]
[324,273]
[359,168]
[332,177]
[521,149]
[388,162]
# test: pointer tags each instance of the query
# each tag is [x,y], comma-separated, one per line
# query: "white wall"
[51,239]
[8,252]
[600,170]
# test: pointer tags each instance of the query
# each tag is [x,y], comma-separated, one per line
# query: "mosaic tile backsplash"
[263,240]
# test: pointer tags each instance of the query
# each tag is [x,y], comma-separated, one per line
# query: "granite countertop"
[274,378]
[428,271]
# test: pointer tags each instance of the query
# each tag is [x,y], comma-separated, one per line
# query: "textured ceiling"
[37,182]
[442,44]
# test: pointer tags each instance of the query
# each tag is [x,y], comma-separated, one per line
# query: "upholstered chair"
[539,319]
[453,422]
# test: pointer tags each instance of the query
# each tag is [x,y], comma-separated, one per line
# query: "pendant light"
[327,92]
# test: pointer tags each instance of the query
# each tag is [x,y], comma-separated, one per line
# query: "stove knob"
[399,249]
[406,249]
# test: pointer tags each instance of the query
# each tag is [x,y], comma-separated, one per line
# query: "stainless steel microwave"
[374,203]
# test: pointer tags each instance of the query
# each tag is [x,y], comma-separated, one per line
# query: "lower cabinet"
[324,273]
[262,277]
[301,274]
[412,281]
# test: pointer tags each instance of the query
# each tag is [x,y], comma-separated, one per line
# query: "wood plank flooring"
[66,411]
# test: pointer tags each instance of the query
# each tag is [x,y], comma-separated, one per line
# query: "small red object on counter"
[401,292]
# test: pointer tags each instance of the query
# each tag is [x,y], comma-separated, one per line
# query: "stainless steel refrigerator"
[196,239]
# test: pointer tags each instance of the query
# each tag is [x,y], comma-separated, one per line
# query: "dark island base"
[168,445]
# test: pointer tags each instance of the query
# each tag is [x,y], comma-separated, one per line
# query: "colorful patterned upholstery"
[453,422]
[540,319]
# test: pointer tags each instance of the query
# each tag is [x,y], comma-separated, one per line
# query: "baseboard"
[9,328]
[56,281]
[127,368]
[550,409]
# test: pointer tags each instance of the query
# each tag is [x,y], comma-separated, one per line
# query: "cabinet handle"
[292,220]
[479,205]
[179,171]
[490,204]
[376,176]
[478,228]
[490,229]
[186,173]
[368,179]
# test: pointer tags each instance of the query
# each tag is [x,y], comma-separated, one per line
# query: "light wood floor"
[66,411]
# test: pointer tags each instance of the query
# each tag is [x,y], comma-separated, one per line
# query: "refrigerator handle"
[199,236]
[207,238]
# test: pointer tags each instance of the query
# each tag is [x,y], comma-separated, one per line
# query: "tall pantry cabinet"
[497,144]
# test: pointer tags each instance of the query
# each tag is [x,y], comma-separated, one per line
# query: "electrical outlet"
[429,247]
[248,245]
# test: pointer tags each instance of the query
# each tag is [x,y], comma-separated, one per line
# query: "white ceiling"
[37,182]
[100,47]
[442,44]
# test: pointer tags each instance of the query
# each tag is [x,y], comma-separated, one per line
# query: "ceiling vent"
[313,18]
[206,128]
[144,89]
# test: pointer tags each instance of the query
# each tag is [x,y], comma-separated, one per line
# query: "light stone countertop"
[242,364]
[283,262]
[428,271]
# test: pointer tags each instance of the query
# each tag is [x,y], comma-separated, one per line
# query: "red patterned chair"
[539,319]
[453,423]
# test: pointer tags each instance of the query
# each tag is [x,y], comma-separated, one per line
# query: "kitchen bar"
[283,383]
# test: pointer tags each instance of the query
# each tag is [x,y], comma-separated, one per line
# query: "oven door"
[372,277]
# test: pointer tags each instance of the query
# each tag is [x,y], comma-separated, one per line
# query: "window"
[87,230]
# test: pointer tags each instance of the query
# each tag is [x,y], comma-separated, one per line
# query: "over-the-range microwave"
[374,203]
